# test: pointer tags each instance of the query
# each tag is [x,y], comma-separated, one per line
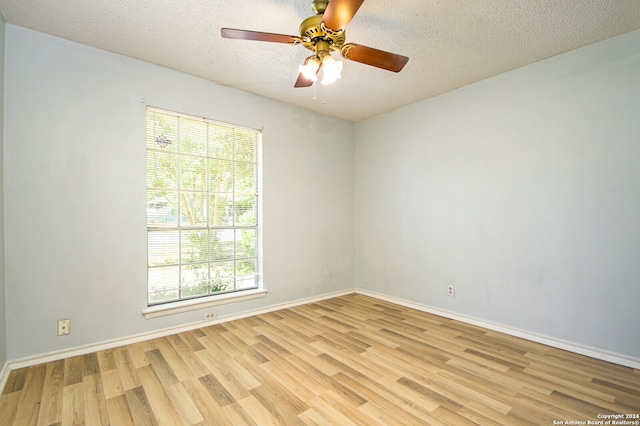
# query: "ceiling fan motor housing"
[313,30]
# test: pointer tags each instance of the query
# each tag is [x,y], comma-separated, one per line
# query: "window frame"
[182,304]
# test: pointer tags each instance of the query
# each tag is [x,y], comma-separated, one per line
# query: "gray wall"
[3,324]
[75,192]
[523,191]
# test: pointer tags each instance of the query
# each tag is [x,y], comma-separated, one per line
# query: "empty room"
[320,212]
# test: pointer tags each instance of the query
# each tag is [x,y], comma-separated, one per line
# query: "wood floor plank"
[139,407]
[9,403]
[271,393]
[348,360]
[558,369]
[213,347]
[50,406]
[335,412]
[178,366]
[620,386]
[90,364]
[184,405]
[73,370]
[312,367]
[159,401]
[303,324]
[126,368]
[483,415]
[312,417]
[443,396]
[119,412]
[401,365]
[16,381]
[234,414]
[73,408]
[287,341]
[257,411]
[287,375]
[528,400]
[185,351]
[191,338]
[465,393]
[291,369]
[241,375]
[163,370]
[492,394]
[381,414]
[399,387]
[29,403]
[579,390]
[112,383]
[106,361]
[373,338]
[208,406]
[483,374]
[234,343]
[138,355]
[448,417]
[227,379]
[95,403]
[218,392]
[273,402]
[380,396]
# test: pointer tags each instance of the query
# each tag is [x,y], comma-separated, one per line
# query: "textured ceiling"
[450,43]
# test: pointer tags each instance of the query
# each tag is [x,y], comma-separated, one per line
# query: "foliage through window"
[202,207]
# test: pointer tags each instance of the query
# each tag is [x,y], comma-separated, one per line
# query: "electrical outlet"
[450,291]
[209,316]
[64,327]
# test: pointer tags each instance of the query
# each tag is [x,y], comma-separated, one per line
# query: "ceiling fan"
[323,33]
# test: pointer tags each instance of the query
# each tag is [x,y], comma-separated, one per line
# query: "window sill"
[201,303]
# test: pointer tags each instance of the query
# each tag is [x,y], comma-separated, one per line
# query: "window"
[202,207]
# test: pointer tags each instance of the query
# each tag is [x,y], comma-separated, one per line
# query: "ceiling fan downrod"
[319,6]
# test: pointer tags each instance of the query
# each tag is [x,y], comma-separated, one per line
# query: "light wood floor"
[348,360]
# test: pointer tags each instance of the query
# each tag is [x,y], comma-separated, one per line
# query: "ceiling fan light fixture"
[324,33]
[331,70]
[310,68]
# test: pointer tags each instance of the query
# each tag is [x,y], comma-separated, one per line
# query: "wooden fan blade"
[340,12]
[374,57]
[259,36]
[303,81]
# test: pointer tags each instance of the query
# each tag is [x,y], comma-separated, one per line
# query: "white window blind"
[202,207]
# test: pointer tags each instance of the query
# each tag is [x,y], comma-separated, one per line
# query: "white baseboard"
[83,350]
[110,344]
[545,340]
[4,376]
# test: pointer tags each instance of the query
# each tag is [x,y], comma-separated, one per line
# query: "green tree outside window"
[202,207]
